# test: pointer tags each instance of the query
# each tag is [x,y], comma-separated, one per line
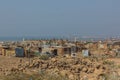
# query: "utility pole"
[29,55]
[76,44]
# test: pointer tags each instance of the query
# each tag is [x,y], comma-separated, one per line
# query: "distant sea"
[10,38]
[27,38]
[47,37]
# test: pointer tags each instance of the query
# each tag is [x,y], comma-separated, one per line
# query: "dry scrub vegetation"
[63,68]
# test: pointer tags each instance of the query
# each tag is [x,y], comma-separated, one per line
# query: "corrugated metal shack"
[6,50]
[63,51]
[19,51]
[85,52]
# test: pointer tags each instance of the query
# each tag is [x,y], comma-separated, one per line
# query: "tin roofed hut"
[19,51]
[85,52]
[118,53]
[116,45]
[7,50]
[63,51]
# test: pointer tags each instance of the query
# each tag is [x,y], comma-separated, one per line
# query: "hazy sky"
[59,17]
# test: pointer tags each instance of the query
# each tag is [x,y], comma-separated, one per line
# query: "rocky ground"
[68,68]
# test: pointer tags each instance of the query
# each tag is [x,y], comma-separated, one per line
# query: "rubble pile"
[72,68]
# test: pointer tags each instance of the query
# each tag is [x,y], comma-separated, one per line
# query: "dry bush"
[119,66]
[40,76]
[44,57]
[111,76]
[107,62]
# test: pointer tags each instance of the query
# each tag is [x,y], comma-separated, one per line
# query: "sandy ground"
[9,62]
